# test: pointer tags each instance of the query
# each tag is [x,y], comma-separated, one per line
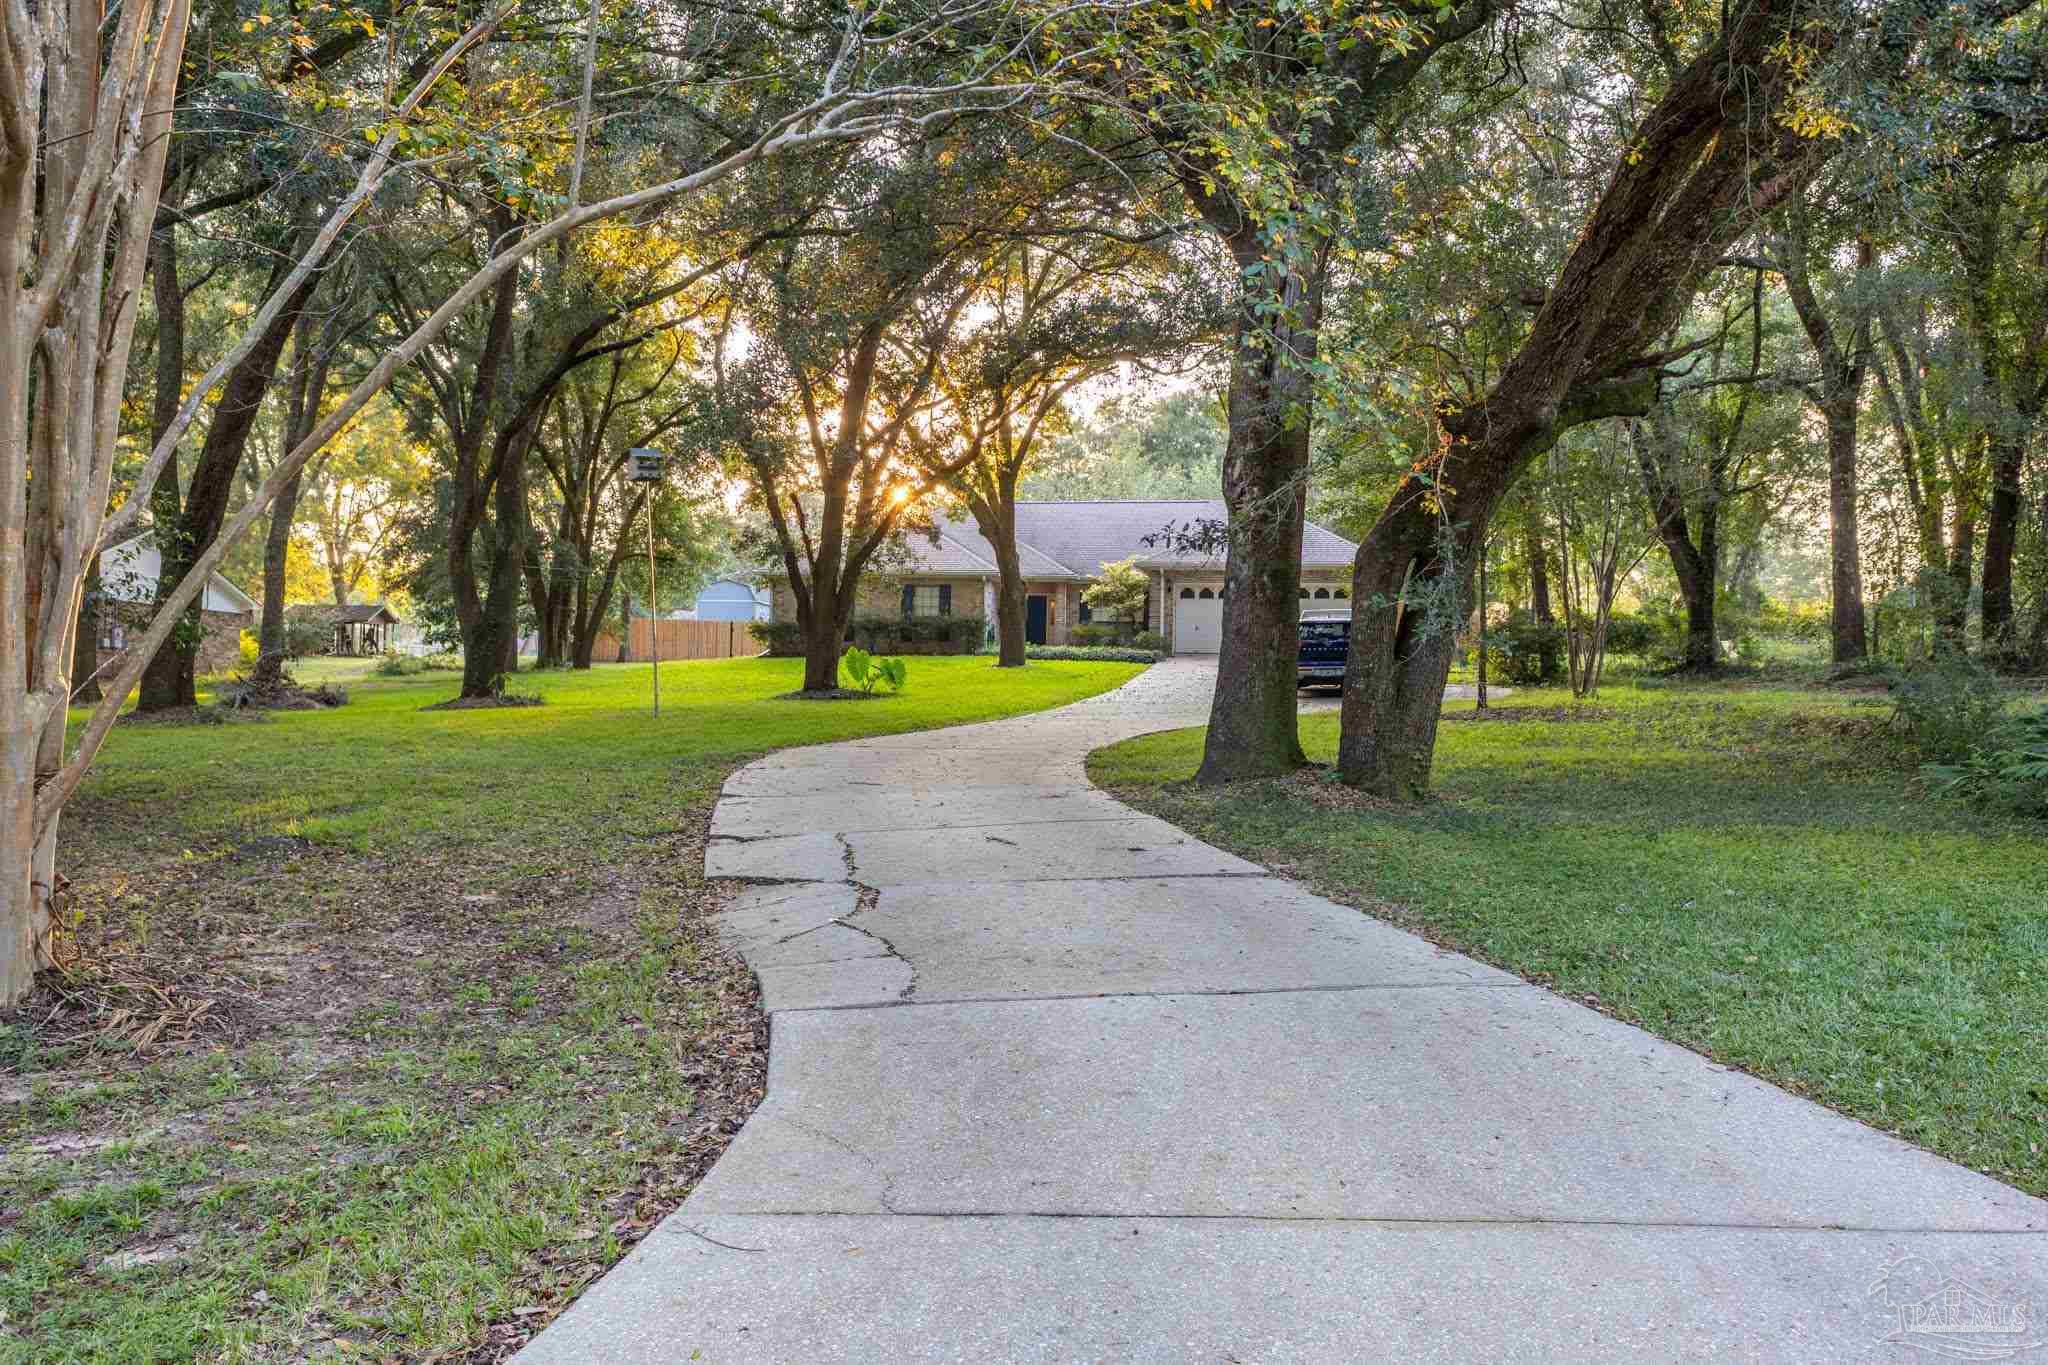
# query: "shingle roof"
[962,549]
[1075,539]
[354,613]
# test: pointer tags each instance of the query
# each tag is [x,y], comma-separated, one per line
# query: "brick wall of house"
[220,648]
[885,597]
[882,597]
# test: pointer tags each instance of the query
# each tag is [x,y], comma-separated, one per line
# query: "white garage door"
[1198,625]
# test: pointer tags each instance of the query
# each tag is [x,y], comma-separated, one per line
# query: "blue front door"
[1035,608]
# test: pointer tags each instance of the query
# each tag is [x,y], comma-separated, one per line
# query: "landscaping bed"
[1757,874]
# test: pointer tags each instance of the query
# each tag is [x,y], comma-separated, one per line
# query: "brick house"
[1063,546]
[127,600]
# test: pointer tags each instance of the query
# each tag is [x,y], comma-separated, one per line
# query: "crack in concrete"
[868,898]
[1196,992]
[707,1237]
[888,1180]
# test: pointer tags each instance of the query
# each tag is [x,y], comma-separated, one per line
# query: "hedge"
[884,635]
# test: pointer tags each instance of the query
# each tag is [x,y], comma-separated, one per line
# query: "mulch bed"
[830,694]
[487,703]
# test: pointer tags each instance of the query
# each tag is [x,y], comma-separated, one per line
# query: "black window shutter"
[909,600]
[1087,613]
[945,599]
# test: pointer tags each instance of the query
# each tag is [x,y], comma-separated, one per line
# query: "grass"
[442,1028]
[1750,871]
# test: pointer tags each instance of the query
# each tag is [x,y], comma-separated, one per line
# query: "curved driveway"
[1052,1081]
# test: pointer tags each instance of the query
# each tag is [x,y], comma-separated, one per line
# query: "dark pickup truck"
[1325,643]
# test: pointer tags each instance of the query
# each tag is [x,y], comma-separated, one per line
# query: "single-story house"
[1063,546]
[732,599]
[127,600]
[354,630]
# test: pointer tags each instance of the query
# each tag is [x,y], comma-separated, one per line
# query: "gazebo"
[359,629]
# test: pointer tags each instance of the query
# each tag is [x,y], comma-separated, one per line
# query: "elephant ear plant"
[867,672]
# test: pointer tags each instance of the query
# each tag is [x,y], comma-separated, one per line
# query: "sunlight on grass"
[382,768]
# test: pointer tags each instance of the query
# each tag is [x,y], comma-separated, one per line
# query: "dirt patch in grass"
[1551,715]
[193,715]
[311,1103]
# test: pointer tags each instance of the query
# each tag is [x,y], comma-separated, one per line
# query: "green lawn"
[465,1036]
[1750,872]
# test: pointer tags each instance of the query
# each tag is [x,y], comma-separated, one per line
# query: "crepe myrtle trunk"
[1253,731]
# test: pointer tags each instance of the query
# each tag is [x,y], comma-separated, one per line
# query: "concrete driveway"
[1052,1081]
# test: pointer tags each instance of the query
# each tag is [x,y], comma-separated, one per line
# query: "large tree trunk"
[1400,652]
[1253,730]
[183,533]
[2001,538]
[85,641]
[1843,366]
[270,638]
[997,522]
[1696,565]
[491,652]
[1954,623]
[588,625]
[1540,609]
[472,493]
[1850,631]
[1672,206]
[309,385]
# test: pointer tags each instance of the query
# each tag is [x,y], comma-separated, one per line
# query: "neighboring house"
[354,630]
[1063,546]
[732,599]
[128,575]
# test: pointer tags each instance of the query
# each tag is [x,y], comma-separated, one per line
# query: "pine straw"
[125,1005]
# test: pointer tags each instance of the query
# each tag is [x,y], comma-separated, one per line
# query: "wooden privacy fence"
[680,640]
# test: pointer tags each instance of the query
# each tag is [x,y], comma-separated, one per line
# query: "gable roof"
[1073,540]
[962,549]
[355,613]
[129,571]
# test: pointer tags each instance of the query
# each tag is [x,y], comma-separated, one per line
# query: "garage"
[1198,621]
